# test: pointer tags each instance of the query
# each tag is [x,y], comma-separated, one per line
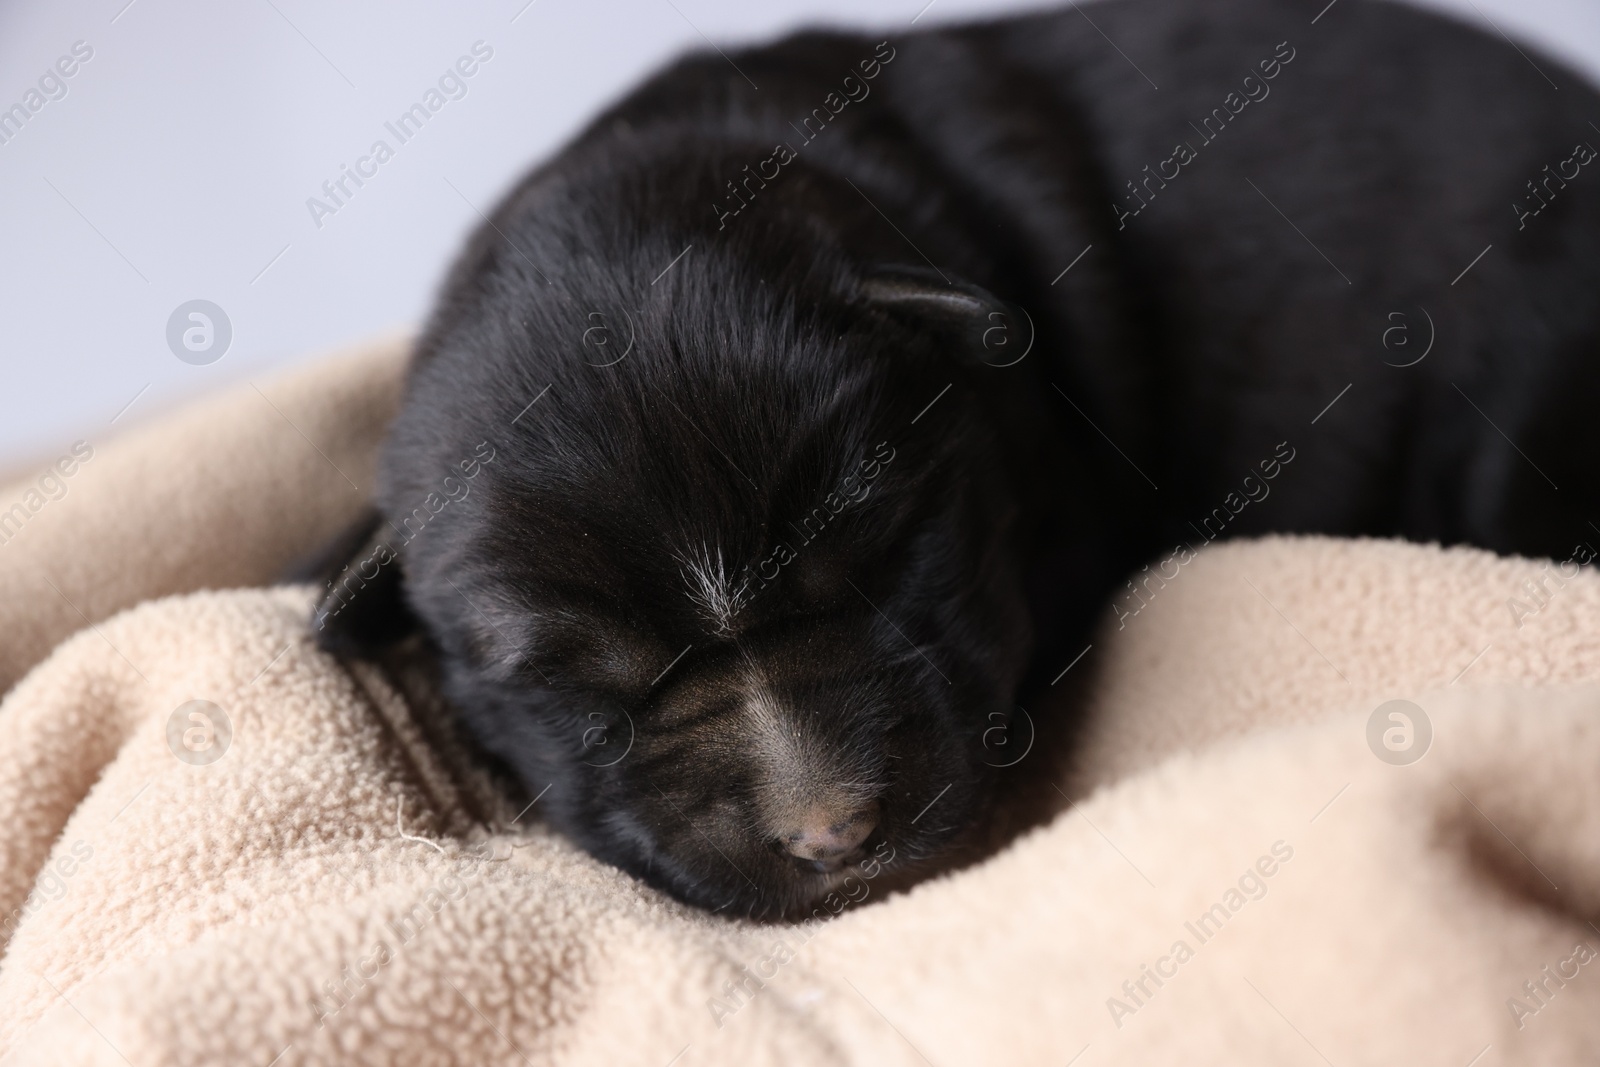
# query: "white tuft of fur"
[719,597]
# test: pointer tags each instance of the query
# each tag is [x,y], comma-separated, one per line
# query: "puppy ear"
[993,331]
[363,608]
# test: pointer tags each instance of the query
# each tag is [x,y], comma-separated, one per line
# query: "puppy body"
[826,417]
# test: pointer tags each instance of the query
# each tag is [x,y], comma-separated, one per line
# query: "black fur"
[869,354]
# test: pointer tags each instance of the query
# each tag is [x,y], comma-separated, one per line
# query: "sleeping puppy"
[768,448]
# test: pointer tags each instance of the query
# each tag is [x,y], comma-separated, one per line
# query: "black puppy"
[769,444]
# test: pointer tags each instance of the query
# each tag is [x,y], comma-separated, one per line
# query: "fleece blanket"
[1328,802]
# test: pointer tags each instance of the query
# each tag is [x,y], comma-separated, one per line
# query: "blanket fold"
[1332,801]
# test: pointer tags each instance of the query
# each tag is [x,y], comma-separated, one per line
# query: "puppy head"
[737,606]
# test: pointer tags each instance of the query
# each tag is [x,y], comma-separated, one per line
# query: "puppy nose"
[827,834]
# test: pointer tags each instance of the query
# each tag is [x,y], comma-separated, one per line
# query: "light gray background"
[178,166]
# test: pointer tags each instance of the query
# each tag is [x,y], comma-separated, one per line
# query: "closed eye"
[572,648]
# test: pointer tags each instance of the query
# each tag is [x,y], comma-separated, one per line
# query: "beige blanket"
[1257,867]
